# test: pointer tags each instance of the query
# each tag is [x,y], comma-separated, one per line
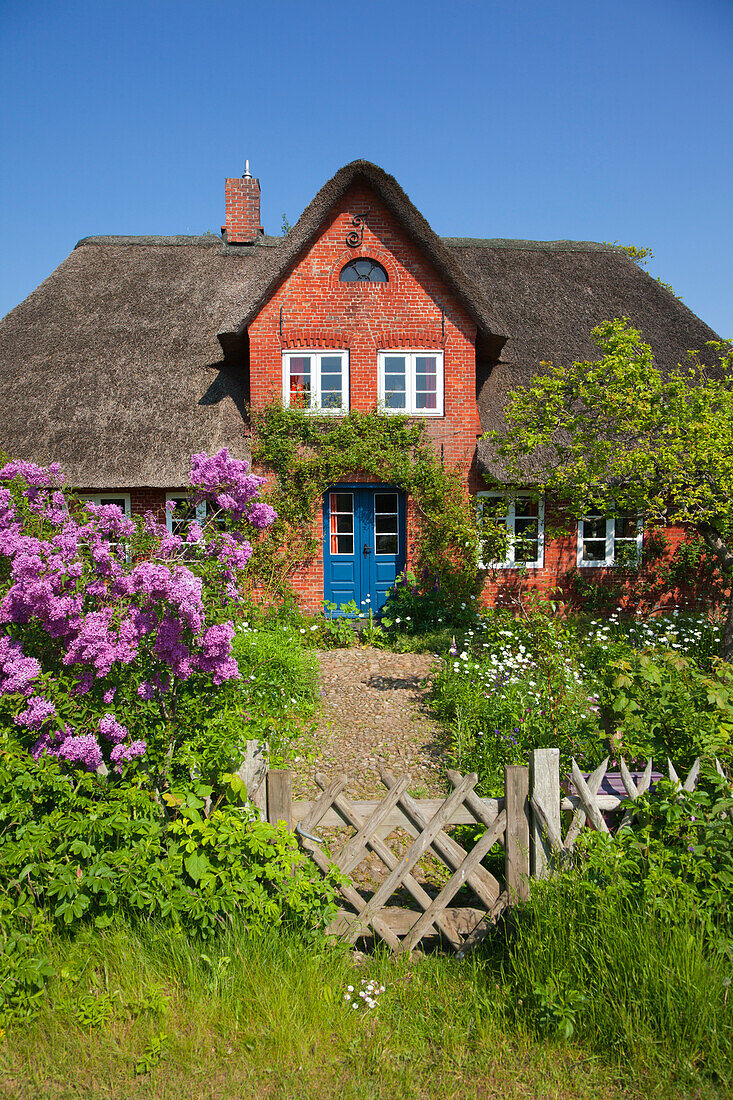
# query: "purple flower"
[84,751]
[145,690]
[123,753]
[111,729]
[38,711]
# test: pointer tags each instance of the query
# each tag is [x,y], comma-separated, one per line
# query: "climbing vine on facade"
[302,455]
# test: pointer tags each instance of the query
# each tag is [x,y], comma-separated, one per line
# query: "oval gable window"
[363,271]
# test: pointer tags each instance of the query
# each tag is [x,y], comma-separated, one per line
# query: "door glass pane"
[386,540]
[394,382]
[426,382]
[300,381]
[341,507]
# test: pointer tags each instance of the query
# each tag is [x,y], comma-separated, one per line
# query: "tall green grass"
[622,979]
[148,1014]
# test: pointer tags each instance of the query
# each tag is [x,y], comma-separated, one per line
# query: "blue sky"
[540,119]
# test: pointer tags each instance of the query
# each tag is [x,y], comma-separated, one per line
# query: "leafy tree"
[620,434]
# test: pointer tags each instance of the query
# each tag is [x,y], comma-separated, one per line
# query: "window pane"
[385,523]
[526,528]
[386,544]
[377,274]
[348,274]
[394,382]
[300,380]
[342,502]
[594,527]
[525,506]
[526,550]
[342,544]
[495,508]
[342,524]
[119,501]
[426,382]
[594,551]
[626,527]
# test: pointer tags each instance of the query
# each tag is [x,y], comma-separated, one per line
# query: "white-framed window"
[609,540]
[523,515]
[184,515]
[122,500]
[316,380]
[411,382]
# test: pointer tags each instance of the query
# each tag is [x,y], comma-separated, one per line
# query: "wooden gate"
[527,822]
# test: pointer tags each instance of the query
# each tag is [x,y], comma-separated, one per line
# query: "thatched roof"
[272,267]
[112,367]
[552,294]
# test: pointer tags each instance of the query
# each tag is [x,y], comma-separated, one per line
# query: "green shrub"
[77,849]
[663,704]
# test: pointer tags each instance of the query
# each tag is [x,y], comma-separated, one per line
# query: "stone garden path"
[374,710]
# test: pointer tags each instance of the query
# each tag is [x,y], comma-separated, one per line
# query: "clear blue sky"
[542,119]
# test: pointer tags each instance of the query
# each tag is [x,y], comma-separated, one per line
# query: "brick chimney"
[242,209]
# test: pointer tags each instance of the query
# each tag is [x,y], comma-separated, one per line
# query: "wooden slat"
[354,899]
[516,856]
[253,772]
[485,810]
[592,812]
[415,853]
[280,796]
[390,860]
[428,806]
[454,884]
[319,808]
[553,835]
[463,921]
[544,785]
[579,817]
[483,927]
[354,851]
[481,881]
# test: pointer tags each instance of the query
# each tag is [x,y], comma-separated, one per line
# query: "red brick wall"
[242,201]
[414,309]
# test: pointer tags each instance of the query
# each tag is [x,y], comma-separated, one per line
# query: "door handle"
[367,549]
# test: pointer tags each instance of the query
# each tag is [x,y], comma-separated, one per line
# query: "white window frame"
[317,354]
[199,518]
[511,499]
[610,558]
[410,372]
[96,498]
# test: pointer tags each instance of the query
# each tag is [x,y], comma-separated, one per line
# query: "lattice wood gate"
[527,822]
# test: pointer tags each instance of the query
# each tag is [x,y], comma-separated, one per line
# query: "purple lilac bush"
[102,620]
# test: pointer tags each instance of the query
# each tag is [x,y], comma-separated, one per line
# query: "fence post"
[253,771]
[544,790]
[280,796]
[516,853]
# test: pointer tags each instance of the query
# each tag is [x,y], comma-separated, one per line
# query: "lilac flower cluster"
[225,483]
[70,581]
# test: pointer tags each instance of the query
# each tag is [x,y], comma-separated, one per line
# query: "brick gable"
[414,309]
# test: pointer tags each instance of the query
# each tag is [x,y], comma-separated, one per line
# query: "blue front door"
[363,544]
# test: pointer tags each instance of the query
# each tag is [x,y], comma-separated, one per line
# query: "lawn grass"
[149,1014]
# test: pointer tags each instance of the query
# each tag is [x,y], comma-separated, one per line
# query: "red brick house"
[138,351]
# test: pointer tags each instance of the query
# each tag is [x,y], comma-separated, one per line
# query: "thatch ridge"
[268,274]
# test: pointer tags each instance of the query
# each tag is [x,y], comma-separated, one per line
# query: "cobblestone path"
[374,709]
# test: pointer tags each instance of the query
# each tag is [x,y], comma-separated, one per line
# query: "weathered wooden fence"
[536,824]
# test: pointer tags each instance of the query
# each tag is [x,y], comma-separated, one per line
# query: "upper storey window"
[363,271]
[316,380]
[411,382]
